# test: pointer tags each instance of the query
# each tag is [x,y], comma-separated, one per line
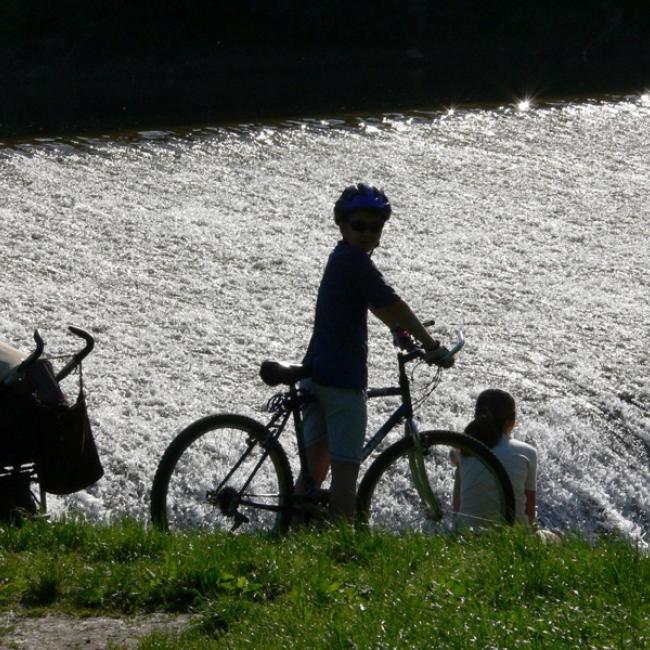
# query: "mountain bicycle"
[230,472]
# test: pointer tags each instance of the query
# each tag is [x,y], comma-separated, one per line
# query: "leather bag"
[67,459]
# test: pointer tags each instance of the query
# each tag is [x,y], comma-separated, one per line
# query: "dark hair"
[493,409]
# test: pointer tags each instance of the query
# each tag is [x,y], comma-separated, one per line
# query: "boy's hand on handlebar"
[439,357]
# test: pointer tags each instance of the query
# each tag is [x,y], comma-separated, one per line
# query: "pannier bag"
[67,459]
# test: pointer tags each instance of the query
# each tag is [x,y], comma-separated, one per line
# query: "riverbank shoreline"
[212,97]
[139,586]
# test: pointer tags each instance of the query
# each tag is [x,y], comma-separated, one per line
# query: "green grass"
[338,589]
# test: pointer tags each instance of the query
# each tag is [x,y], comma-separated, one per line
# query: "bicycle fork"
[419,472]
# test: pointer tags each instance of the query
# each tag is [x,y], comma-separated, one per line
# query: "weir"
[192,255]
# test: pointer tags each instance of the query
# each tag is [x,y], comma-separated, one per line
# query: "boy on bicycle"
[335,424]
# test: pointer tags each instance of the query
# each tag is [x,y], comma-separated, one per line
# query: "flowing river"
[192,255]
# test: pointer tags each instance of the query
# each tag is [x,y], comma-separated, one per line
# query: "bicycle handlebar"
[418,352]
[458,346]
[77,358]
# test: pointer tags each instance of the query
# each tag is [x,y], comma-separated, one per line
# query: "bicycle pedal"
[318,495]
[311,507]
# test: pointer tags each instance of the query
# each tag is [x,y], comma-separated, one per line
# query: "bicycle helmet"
[361,197]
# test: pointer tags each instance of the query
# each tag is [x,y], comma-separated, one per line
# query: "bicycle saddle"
[274,373]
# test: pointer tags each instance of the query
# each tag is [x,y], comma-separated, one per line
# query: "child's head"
[494,415]
[360,213]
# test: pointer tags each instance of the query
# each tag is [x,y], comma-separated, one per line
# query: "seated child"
[494,420]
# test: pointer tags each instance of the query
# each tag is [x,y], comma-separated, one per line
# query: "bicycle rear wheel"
[389,499]
[223,472]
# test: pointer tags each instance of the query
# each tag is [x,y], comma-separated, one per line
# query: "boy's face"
[362,229]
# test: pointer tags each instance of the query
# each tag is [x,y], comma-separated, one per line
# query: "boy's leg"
[316,444]
[318,463]
[345,413]
[343,490]
[334,427]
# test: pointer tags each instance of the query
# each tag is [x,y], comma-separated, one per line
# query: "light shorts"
[340,415]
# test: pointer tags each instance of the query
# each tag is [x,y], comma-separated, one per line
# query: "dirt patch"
[59,632]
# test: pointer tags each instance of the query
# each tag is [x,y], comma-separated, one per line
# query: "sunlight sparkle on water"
[523,105]
[191,259]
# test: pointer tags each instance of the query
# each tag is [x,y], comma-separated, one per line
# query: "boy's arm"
[399,315]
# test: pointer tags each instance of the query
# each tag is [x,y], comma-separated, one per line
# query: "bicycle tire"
[198,460]
[389,499]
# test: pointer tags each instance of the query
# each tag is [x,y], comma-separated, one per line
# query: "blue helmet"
[361,197]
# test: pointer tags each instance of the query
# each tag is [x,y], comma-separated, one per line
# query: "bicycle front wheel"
[402,491]
[223,472]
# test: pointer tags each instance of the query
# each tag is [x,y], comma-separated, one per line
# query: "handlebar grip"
[40,346]
[80,356]
[90,341]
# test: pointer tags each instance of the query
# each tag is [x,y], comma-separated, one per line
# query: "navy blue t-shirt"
[338,351]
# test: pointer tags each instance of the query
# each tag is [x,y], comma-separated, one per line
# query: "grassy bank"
[337,589]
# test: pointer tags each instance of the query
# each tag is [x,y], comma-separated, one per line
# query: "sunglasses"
[363,226]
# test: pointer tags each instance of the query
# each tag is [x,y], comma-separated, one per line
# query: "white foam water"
[193,255]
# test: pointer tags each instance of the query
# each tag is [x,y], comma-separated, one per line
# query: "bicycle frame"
[404,412]
[416,457]
[289,404]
